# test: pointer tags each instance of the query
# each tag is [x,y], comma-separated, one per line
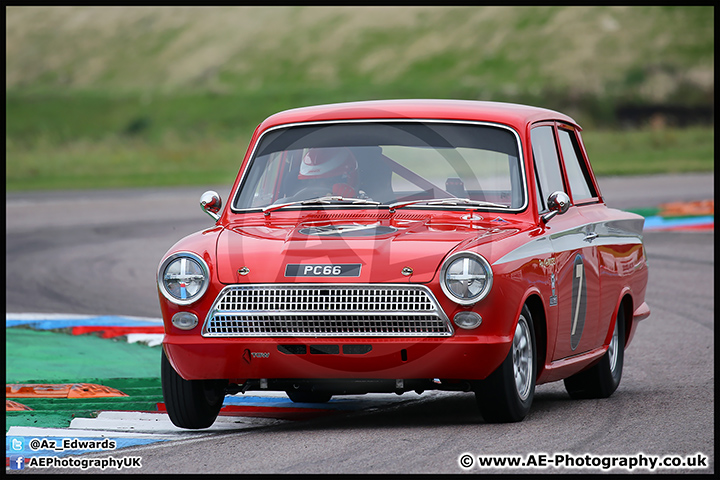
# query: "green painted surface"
[143,395]
[651,212]
[48,356]
[39,419]
[646,212]
[55,357]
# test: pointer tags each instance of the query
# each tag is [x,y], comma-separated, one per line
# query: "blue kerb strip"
[660,222]
[335,404]
[103,321]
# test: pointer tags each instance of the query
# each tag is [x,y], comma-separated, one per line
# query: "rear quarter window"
[581,187]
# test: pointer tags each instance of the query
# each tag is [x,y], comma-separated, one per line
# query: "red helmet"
[328,163]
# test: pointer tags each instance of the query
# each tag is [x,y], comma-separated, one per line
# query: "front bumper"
[640,313]
[464,357]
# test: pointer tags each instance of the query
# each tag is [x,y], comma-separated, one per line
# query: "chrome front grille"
[321,310]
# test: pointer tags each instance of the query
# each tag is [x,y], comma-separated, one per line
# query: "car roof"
[512,114]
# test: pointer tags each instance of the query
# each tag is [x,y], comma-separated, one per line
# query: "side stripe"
[614,232]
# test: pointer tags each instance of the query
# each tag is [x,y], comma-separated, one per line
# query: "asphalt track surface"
[96,253]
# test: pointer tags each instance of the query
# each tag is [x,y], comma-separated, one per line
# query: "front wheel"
[190,403]
[601,380]
[506,395]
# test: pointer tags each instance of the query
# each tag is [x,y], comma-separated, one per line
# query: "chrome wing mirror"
[211,203]
[558,203]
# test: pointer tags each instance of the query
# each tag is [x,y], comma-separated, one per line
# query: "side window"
[547,163]
[580,185]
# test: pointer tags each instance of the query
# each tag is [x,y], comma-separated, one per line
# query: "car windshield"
[385,163]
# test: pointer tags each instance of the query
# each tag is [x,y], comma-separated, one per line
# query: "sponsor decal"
[323,270]
[547,262]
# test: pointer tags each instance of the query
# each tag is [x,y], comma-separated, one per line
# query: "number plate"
[323,270]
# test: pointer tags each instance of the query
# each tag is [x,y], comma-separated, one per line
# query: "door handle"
[590,237]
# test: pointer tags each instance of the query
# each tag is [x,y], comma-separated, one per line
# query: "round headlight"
[466,277]
[183,278]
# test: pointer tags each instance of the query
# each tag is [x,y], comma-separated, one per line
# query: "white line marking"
[159,423]
[150,339]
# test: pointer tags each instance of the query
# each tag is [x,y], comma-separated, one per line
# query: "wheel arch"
[537,310]
[626,303]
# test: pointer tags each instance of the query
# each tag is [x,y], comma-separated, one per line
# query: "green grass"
[116,162]
[650,151]
[91,140]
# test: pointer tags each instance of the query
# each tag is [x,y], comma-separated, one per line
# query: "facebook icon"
[17,462]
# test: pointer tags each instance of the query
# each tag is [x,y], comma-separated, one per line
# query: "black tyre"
[507,394]
[300,396]
[602,379]
[190,403]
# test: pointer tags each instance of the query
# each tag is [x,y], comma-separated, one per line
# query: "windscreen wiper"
[326,200]
[446,201]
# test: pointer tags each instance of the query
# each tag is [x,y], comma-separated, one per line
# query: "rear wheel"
[601,380]
[190,403]
[506,395]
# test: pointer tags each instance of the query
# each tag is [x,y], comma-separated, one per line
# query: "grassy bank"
[641,53]
[143,96]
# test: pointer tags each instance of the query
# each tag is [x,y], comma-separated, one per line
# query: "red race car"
[404,245]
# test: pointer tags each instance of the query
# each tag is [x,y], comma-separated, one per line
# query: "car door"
[585,196]
[573,304]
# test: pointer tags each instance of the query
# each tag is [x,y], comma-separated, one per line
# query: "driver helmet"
[337,162]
